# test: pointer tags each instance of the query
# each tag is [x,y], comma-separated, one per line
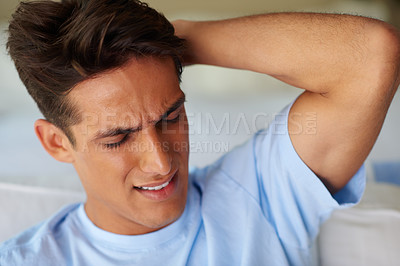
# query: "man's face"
[131,150]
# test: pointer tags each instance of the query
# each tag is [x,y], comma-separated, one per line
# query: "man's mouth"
[159,191]
[157,187]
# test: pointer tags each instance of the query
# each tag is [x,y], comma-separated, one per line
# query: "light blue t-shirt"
[257,205]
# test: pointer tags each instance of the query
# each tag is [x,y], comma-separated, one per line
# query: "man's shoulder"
[32,244]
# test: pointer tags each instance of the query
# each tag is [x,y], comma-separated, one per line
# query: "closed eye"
[117,144]
[172,117]
[173,120]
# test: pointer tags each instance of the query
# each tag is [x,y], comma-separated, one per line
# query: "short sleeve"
[292,197]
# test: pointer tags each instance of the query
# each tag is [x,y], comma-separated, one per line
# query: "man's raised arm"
[348,65]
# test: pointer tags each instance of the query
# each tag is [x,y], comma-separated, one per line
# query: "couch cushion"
[367,234]
[23,206]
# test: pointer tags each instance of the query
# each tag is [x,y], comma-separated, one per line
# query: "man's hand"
[348,65]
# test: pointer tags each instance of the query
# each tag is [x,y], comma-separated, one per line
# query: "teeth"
[156,188]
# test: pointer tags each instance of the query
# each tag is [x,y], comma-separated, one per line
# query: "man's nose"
[154,155]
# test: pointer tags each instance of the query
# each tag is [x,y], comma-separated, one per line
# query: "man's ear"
[54,141]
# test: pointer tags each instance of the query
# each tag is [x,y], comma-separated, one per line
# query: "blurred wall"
[177,7]
[230,8]
[225,8]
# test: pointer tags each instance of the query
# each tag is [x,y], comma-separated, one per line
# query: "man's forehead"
[133,113]
[139,81]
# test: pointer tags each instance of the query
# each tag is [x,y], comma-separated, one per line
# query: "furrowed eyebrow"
[115,132]
[122,131]
[173,108]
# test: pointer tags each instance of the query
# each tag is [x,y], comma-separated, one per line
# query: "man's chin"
[164,221]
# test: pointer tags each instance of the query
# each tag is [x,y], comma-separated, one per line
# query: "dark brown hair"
[57,45]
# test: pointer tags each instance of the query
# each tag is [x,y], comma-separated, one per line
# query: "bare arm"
[349,67]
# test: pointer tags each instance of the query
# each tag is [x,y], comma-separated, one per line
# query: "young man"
[106,76]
